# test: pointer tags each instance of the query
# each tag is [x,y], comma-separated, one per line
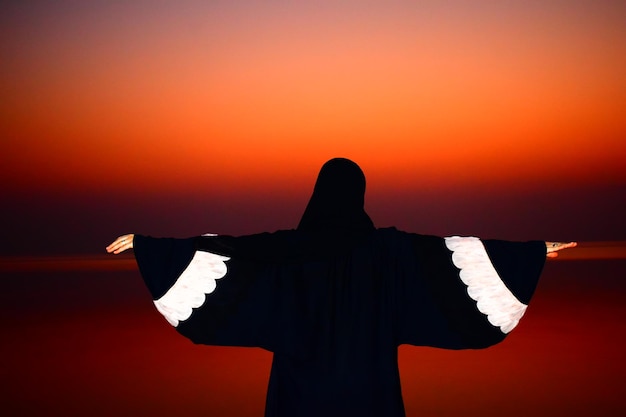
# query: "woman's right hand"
[121,244]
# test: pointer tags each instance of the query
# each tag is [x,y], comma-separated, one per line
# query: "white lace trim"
[189,291]
[484,286]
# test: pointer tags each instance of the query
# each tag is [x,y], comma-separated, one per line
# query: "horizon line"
[591,250]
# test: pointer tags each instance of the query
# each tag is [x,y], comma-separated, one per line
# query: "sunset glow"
[474,118]
[171,98]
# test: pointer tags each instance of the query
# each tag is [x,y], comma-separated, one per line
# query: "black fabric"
[334,319]
[161,261]
[509,260]
[334,299]
[336,206]
[448,317]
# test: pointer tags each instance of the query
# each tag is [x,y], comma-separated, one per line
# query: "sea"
[81,337]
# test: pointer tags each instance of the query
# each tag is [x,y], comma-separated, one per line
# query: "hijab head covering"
[336,205]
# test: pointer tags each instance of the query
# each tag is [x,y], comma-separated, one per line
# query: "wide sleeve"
[218,290]
[464,292]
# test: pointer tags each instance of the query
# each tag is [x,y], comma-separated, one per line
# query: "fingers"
[553,247]
[121,244]
[115,246]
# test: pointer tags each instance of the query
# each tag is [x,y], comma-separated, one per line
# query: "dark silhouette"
[334,298]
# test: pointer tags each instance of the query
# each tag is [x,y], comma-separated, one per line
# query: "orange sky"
[242,102]
[159,97]
[496,119]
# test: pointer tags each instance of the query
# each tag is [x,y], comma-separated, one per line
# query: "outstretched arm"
[121,244]
[552,248]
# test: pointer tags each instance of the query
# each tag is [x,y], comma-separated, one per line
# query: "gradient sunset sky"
[500,119]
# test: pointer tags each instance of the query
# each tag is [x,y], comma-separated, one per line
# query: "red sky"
[496,119]
[110,110]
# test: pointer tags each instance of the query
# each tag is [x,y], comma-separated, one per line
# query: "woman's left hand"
[553,247]
[121,244]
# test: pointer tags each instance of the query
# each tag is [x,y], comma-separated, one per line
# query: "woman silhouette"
[334,298]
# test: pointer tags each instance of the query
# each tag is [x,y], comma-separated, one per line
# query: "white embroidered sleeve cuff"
[190,290]
[484,286]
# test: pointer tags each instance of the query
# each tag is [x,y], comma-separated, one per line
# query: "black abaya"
[334,298]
